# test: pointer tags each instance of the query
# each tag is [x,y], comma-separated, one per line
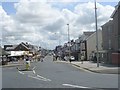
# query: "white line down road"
[75,86]
[43,78]
[36,78]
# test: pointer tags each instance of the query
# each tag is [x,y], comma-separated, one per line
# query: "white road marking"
[75,86]
[34,72]
[43,78]
[33,68]
[21,72]
[36,78]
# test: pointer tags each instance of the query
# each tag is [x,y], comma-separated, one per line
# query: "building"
[83,43]
[116,35]
[88,44]
[107,45]
[111,37]
[3,56]
[21,50]
[74,49]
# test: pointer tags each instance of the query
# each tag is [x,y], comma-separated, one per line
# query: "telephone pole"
[96,35]
[68,41]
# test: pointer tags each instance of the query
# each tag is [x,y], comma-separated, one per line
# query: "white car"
[72,58]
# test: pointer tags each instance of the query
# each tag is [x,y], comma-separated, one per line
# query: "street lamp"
[96,35]
[68,41]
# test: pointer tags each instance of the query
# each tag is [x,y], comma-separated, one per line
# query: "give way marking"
[34,75]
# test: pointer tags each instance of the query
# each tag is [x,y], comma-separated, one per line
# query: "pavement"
[12,64]
[92,67]
[19,65]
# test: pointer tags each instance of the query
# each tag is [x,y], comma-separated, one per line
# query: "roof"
[93,34]
[9,47]
[3,52]
[108,23]
[116,8]
[86,35]
[25,46]
[22,47]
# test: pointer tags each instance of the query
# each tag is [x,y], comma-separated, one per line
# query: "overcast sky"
[45,23]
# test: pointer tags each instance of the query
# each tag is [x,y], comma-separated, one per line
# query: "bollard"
[27,65]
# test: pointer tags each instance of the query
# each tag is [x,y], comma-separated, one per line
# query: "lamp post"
[68,42]
[96,35]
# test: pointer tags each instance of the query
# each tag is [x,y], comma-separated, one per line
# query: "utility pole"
[68,41]
[96,35]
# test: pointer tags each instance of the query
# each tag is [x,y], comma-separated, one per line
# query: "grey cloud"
[36,23]
[55,26]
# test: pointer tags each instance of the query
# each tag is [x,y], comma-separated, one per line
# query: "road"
[49,74]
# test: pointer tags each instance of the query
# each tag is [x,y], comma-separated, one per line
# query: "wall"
[91,43]
[115,32]
[116,58]
[107,32]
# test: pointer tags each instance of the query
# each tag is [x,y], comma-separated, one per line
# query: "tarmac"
[92,67]
[87,66]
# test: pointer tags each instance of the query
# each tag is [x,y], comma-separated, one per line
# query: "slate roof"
[116,8]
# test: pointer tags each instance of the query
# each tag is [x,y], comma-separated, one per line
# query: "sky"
[44,23]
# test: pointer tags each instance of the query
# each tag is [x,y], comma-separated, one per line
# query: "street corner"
[100,71]
[82,68]
[106,71]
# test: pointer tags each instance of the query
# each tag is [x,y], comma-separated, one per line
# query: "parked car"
[72,58]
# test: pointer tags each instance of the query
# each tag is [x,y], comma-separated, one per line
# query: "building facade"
[116,35]
[107,36]
[111,37]
[91,44]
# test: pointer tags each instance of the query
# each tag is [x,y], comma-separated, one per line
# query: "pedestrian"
[56,57]
[82,59]
[95,59]
[70,59]
[27,63]
[41,59]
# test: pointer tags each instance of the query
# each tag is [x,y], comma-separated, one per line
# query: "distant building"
[22,49]
[88,44]
[16,50]
[3,55]
[83,43]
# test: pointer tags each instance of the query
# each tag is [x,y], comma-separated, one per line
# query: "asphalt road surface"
[49,74]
